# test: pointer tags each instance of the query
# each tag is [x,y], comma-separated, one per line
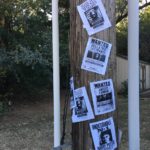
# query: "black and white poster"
[72,103]
[103,96]
[103,134]
[82,110]
[96,56]
[93,15]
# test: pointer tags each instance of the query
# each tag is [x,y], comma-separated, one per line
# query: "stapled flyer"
[83,110]
[103,96]
[93,15]
[96,56]
[103,134]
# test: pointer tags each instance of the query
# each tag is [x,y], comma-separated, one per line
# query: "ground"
[144,123]
[29,123]
[28,126]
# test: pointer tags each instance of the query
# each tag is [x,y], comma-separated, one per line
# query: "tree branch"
[120,18]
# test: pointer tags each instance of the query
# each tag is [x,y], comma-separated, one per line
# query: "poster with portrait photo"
[93,15]
[96,56]
[103,96]
[82,110]
[72,103]
[103,134]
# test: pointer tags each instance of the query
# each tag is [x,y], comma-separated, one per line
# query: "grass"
[29,126]
[144,123]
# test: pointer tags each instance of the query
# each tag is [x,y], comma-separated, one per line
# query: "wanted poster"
[103,134]
[72,103]
[93,15]
[82,110]
[96,56]
[103,96]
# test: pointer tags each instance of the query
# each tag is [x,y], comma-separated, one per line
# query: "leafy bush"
[6,90]
[124,89]
[26,44]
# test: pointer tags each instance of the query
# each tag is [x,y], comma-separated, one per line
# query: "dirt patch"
[144,123]
[29,125]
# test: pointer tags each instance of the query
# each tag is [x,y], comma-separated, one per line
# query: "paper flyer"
[83,110]
[93,15]
[103,134]
[96,56]
[103,96]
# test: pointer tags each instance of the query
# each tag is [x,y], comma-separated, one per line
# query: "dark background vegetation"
[26,43]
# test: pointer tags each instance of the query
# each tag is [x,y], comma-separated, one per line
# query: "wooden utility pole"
[81,135]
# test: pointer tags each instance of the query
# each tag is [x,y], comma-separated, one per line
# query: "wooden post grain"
[81,135]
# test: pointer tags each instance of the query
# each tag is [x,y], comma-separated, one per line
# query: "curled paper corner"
[84,26]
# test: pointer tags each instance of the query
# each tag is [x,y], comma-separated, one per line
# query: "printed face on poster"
[103,134]
[103,96]
[96,56]
[82,110]
[72,103]
[93,15]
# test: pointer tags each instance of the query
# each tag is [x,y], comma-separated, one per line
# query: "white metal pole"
[133,75]
[56,75]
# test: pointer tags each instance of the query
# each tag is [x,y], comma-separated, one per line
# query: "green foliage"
[121,8]
[124,89]
[144,35]
[121,37]
[26,41]
[64,43]
[64,4]
[6,91]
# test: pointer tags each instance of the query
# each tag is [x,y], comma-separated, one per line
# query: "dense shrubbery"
[124,89]
[26,47]
[144,35]
[26,44]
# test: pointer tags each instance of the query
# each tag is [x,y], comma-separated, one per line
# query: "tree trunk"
[81,136]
